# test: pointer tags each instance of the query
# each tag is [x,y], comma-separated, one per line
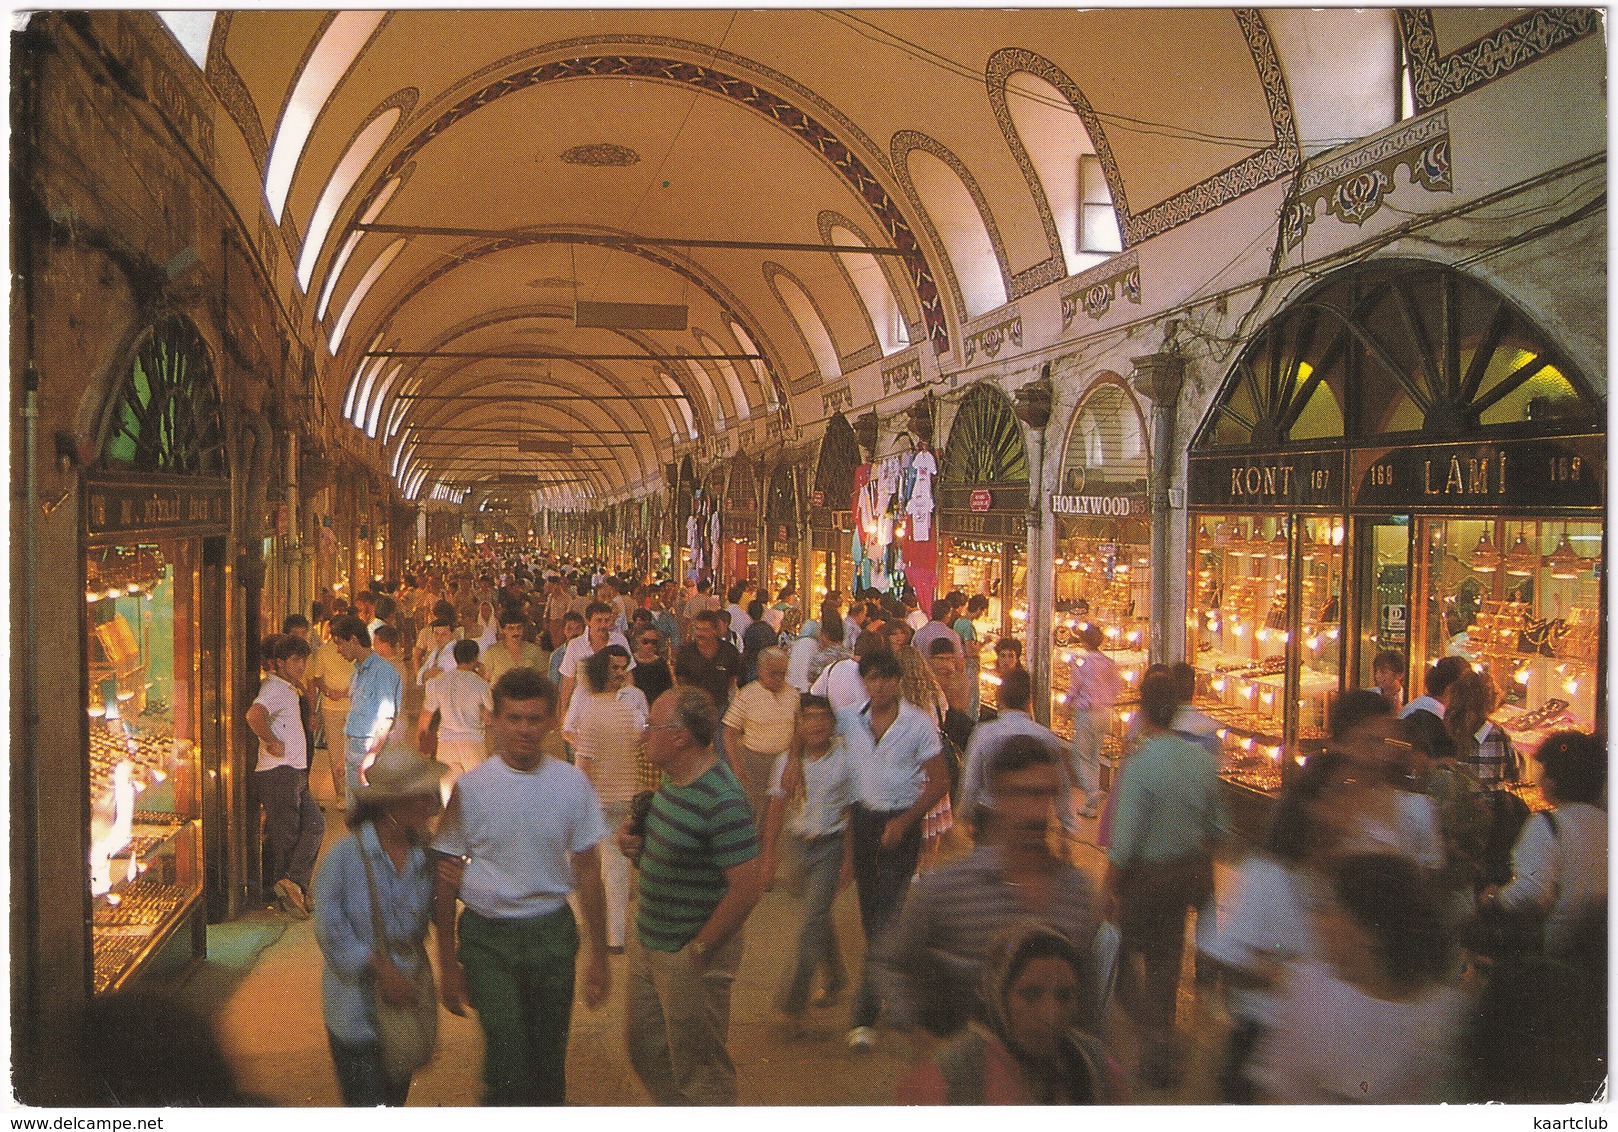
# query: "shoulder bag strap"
[377,927]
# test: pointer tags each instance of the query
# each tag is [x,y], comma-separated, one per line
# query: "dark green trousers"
[519,978]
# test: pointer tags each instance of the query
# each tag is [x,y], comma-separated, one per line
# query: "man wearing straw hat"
[521,832]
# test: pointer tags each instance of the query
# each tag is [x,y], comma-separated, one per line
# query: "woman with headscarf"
[1027,1049]
[381,870]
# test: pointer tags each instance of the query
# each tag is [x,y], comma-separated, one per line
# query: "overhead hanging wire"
[1123,121]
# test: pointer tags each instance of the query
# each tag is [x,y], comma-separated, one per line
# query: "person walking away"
[931,961]
[375,698]
[699,878]
[1269,928]
[972,646]
[801,654]
[1372,1021]
[331,673]
[462,701]
[380,871]
[607,726]
[1160,866]
[938,629]
[1028,1049]
[1481,746]
[1093,688]
[811,788]
[758,727]
[1560,860]
[758,636]
[899,775]
[521,832]
[293,825]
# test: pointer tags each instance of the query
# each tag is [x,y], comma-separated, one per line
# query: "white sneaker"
[862,1038]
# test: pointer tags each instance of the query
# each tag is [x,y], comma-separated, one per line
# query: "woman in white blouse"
[606,727]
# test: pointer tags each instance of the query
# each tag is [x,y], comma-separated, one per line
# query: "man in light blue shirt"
[899,774]
[375,698]
[1016,693]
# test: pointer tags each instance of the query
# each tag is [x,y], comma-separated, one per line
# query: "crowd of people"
[546,766]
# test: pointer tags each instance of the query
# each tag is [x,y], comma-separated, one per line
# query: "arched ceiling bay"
[691,159]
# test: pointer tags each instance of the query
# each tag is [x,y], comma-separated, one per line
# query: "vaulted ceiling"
[455,182]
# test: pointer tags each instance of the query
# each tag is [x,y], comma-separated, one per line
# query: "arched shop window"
[781,528]
[167,415]
[1103,565]
[982,524]
[1401,461]
[739,523]
[831,502]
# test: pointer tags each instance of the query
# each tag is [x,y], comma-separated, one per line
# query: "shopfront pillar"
[1159,378]
[1033,407]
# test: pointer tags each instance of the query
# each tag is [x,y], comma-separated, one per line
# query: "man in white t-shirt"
[464,702]
[598,634]
[293,825]
[521,832]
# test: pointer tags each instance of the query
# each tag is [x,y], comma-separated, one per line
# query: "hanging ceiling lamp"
[1563,562]
[1278,544]
[1239,547]
[1485,557]
[1258,546]
[1521,559]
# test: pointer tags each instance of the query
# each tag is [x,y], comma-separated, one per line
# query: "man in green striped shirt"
[699,879]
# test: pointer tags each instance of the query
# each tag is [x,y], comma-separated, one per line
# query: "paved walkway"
[262,984]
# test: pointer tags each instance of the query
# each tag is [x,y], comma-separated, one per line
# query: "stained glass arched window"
[985,443]
[167,417]
[1397,349]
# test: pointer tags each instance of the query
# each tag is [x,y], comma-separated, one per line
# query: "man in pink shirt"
[1093,689]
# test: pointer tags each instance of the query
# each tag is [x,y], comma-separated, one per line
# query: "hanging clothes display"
[892,547]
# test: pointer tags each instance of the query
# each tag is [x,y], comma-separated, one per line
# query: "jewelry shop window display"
[1103,548]
[1432,468]
[143,596]
[1246,647]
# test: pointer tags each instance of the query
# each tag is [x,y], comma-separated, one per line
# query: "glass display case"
[145,865]
[1520,600]
[1254,648]
[998,571]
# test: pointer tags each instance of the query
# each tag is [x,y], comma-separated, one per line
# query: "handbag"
[408,1034]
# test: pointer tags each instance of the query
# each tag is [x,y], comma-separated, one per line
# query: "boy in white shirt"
[293,825]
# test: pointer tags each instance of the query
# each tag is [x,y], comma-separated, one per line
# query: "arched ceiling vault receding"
[682,157]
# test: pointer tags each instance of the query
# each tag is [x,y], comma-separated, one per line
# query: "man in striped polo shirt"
[699,878]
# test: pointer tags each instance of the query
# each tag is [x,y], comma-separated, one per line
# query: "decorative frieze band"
[992,339]
[1096,289]
[1355,184]
[903,375]
[836,398]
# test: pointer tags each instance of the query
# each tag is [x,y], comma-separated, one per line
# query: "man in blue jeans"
[375,698]
[899,774]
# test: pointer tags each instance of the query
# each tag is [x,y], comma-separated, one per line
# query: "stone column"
[1033,405]
[1159,377]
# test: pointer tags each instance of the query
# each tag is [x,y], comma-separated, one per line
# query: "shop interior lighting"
[1485,557]
[1278,544]
[1563,562]
[1520,562]
[1238,543]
